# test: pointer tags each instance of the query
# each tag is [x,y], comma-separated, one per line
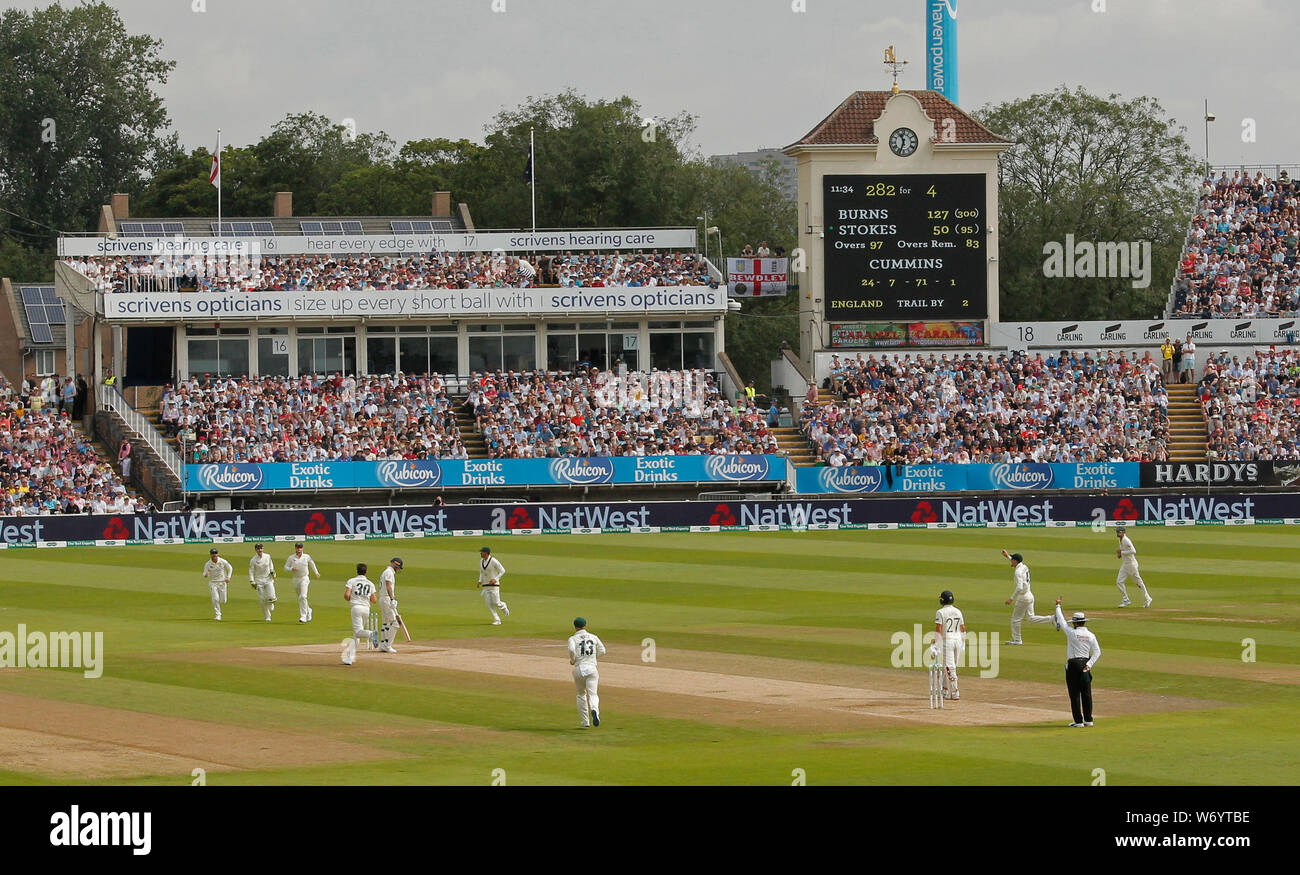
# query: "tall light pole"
[1209,117]
[705,220]
[716,230]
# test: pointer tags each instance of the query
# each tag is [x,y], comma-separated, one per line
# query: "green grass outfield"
[822,604]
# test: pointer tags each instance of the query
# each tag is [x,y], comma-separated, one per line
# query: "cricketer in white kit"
[218,572]
[360,594]
[583,650]
[300,566]
[1128,567]
[490,572]
[1022,599]
[950,641]
[388,604]
[261,574]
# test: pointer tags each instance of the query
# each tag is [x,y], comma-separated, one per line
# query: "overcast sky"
[753,72]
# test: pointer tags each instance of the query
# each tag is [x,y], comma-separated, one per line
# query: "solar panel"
[422,227]
[170,228]
[442,226]
[310,227]
[130,229]
[401,227]
[352,228]
[31,295]
[152,229]
[55,315]
[264,229]
[332,228]
[41,333]
[48,296]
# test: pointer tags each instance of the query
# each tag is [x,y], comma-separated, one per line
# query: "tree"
[79,115]
[1102,170]
[599,165]
[749,208]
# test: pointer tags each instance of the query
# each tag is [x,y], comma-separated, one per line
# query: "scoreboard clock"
[912,246]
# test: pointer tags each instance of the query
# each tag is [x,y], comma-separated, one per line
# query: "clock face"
[903,142]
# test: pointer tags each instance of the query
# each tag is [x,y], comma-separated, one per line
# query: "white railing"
[111,399]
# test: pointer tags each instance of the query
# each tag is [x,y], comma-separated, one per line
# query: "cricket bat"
[405,631]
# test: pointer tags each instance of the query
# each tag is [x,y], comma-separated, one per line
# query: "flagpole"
[218,182]
[532,182]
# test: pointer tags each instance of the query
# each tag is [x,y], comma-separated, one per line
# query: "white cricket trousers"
[389,628]
[218,591]
[300,588]
[1127,570]
[266,595]
[586,679]
[360,614]
[1024,609]
[492,598]
[953,650]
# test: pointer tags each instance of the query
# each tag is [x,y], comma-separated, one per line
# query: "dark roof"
[292,225]
[57,329]
[853,121]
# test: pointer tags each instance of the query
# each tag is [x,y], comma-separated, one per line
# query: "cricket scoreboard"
[910,247]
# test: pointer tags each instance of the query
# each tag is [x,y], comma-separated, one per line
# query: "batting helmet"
[946,597]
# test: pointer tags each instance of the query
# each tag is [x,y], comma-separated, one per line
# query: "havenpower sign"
[941,47]
[452,473]
[974,477]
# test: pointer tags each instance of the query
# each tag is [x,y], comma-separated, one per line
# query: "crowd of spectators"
[1252,406]
[440,270]
[1240,260]
[917,409]
[47,466]
[602,413]
[312,418]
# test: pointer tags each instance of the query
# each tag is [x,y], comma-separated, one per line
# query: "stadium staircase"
[109,457]
[1188,435]
[795,444]
[470,437]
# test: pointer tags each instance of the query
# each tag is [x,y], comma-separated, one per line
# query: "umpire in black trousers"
[1082,652]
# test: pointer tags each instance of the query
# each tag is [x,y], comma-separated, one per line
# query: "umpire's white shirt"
[492,569]
[583,650]
[1080,643]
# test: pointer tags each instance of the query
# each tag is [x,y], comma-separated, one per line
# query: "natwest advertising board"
[358,523]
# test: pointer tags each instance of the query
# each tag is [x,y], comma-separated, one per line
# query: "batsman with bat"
[388,605]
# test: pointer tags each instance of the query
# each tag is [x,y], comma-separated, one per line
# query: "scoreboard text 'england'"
[906,247]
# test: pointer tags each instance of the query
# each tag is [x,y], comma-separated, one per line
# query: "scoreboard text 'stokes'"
[905,246]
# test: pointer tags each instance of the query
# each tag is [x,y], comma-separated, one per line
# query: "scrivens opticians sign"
[160,306]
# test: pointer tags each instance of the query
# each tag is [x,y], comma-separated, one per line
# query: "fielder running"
[583,650]
[360,593]
[1022,598]
[950,641]
[490,571]
[1128,567]
[300,565]
[261,576]
[218,572]
[388,604]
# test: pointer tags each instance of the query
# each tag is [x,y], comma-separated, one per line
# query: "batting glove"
[394,603]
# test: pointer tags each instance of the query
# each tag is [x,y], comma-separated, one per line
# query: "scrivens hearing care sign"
[164,306]
[383,244]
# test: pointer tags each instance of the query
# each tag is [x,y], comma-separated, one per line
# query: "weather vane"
[894,65]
